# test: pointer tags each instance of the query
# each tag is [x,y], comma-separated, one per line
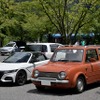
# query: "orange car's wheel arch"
[74,81]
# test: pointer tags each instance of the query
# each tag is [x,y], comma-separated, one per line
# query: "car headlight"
[62,75]
[10,71]
[36,73]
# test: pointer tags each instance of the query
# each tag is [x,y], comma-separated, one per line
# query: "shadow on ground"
[9,84]
[59,92]
[62,92]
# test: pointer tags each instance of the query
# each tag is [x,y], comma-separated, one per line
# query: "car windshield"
[42,48]
[10,45]
[71,55]
[18,57]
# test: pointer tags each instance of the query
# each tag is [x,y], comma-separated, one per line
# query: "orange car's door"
[96,70]
[93,63]
[89,72]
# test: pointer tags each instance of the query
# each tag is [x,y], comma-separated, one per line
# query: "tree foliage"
[29,19]
[22,20]
[69,16]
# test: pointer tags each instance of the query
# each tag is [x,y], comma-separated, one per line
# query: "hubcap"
[21,78]
[80,85]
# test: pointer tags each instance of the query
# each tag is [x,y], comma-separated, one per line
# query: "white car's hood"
[6,48]
[12,66]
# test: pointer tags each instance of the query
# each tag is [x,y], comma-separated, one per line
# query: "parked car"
[46,48]
[18,67]
[12,47]
[69,67]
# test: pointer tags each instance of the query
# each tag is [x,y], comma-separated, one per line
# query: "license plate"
[45,83]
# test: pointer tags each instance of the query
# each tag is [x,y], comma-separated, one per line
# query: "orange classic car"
[69,67]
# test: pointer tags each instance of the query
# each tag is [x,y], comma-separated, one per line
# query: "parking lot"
[28,91]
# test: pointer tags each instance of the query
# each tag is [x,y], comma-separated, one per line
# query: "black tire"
[80,85]
[40,88]
[2,54]
[21,78]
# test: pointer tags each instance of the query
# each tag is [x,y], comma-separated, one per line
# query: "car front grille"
[48,74]
[3,50]
[1,74]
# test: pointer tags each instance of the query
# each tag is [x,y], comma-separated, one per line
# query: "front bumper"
[9,77]
[49,82]
[5,52]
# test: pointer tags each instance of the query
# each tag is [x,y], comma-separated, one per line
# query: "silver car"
[11,47]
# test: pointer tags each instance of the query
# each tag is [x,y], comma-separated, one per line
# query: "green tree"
[36,23]
[70,16]
[22,20]
[5,16]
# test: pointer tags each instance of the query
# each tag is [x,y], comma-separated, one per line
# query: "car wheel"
[80,85]
[2,54]
[40,88]
[21,78]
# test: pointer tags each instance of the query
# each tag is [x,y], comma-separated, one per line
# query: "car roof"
[79,47]
[41,43]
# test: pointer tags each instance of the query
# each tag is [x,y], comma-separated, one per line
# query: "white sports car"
[18,67]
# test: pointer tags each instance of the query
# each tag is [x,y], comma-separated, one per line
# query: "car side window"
[37,57]
[53,47]
[99,51]
[40,57]
[33,59]
[91,55]
[44,48]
